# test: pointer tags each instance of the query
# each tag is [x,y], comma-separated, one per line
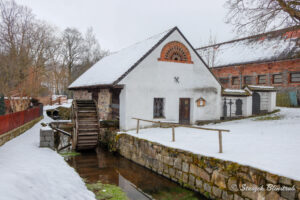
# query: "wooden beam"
[181,125]
[173,134]
[137,126]
[62,131]
[220,142]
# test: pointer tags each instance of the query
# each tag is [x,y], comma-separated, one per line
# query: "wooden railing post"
[220,142]
[137,126]
[173,134]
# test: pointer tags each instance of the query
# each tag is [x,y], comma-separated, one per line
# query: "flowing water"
[136,181]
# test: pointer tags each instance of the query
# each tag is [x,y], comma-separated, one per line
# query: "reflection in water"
[138,182]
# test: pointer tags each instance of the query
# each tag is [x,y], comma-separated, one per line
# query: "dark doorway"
[238,104]
[184,111]
[255,103]
[225,108]
[95,96]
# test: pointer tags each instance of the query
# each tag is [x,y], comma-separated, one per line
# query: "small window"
[224,80]
[277,78]
[248,80]
[262,79]
[158,108]
[235,81]
[295,77]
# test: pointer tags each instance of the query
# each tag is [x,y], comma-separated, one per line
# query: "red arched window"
[175,52]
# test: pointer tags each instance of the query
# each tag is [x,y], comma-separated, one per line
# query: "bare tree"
[24,41]
[91,54]
[259,16]
[72,49]
[209,51]
[35,58]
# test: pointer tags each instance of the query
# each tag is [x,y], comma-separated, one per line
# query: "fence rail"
[14,120]
[173,125]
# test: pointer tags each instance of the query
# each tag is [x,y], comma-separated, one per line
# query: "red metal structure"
[14,120]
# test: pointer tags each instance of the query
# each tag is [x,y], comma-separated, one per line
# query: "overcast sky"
[119,23]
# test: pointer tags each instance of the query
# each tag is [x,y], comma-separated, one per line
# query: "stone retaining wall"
[18,131]
[214,178]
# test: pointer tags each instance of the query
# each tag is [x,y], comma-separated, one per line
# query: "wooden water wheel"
[85,124]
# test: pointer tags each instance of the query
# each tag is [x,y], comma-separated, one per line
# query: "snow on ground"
[30,172]
[271,145]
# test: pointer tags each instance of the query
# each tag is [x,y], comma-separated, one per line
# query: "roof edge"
[144,56]
[252,36]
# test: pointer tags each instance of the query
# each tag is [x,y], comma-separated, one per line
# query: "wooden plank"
[220,142]
[137,126]
[62,131]
[173,134]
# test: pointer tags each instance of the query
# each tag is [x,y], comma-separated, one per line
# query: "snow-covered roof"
[261,88]
[277,45]
[108,70]
[235,92]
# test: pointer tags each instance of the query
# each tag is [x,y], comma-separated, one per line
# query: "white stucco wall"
[272,99]
[155,79]
[246,106]
[267,101]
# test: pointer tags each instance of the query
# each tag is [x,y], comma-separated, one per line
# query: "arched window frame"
[175,48]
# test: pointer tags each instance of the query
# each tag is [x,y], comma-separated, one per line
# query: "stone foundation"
[104,104]
[214,178]
[82,95]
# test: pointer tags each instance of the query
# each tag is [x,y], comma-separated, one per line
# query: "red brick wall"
[268,69]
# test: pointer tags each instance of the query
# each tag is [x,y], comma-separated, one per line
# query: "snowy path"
[272,145]
[30,172]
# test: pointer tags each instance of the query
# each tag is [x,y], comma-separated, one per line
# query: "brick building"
[267,59]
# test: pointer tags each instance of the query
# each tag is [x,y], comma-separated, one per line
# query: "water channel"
[136,181]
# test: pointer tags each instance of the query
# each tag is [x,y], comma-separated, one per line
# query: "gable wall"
[153,78]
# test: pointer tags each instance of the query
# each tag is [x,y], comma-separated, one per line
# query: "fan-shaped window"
[175,52]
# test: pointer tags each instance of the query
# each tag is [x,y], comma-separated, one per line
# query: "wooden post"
[173,134]
[220,142]
[137,126]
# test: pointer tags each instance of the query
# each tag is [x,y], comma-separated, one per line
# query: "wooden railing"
[173,125]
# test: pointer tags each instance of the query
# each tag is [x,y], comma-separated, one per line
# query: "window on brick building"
[248,80]
[224,80]
[235,80]
[262,79]
[295,77]
[158,108]
[277,78]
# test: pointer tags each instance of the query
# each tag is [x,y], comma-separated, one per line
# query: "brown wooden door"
[184,111]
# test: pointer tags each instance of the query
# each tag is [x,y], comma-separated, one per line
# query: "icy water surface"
[136,181]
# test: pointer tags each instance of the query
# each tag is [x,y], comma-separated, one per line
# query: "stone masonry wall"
[104,104]
[82,95]
[214,178]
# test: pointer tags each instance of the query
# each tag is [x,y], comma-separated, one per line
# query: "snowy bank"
[30,172]
[270,145]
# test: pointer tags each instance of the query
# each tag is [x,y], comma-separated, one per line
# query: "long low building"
[271,59]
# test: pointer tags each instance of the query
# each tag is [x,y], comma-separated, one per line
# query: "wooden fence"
[14,120]
[173,125]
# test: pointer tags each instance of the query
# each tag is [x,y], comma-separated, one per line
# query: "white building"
[252,100]
[162,78]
